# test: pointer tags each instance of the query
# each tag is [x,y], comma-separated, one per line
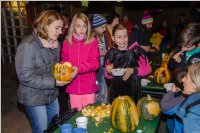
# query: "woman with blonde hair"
[189,110]
[81,49]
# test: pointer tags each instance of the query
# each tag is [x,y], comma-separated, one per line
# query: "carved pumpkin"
[148,108]
[62,72]
[162,75]
[165,59]
[124,115]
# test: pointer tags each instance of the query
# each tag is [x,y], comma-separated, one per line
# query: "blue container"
[66,128]
[79,130]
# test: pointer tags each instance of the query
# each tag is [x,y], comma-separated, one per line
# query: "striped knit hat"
[98,20]
[147,18]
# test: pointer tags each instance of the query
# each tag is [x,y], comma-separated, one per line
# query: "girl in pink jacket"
[81,49]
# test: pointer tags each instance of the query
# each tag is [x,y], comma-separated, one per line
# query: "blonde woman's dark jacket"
[33,65]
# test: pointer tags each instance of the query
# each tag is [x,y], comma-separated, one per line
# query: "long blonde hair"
[194,72]
[85,19]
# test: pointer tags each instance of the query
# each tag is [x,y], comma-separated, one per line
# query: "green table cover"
[154,89]
[144,125]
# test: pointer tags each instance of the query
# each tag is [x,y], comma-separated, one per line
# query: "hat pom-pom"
[146,12]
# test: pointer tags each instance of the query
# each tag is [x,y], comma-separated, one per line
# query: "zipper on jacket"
[79,65]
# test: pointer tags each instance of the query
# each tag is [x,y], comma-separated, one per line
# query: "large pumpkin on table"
[124,115]
[62,71]
[148,108]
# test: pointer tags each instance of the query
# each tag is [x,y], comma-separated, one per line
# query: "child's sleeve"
[64,54]
[107,61]
[93,61]
[144,68]
[169,102]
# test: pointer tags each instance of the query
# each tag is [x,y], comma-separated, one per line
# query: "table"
[146,126]
[154,89]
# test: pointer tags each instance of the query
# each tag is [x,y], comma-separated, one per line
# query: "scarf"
[79,37]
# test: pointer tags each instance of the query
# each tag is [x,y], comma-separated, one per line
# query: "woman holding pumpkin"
[133,62]
[81,49]
[35,57]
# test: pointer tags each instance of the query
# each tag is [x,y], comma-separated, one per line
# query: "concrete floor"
[13,118]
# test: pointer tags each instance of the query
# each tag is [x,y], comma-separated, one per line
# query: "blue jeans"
[102,92]
[40,116]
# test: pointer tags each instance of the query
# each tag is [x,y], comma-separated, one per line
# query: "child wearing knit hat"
[147,18]
[98,20]
[99,27]
[142,35]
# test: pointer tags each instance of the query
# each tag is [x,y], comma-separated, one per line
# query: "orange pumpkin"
[63,71]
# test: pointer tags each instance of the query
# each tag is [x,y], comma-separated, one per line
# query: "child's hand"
[127,73]
[175,89]
[103,52]
[75,72]
[109,68]
[184,48]
[177,57]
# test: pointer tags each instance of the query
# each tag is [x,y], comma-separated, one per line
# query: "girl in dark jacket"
[133,62]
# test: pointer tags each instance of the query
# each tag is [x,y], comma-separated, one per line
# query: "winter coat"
[87,58]
[134,57]
[169,106]
[189,112]
[33,65]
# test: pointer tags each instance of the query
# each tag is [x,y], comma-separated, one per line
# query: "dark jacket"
[142,36]
[134,57]
[33,65]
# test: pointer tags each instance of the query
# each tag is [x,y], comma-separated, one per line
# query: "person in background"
[175,97]
[189,51]
[81,49]
[35,57]
[133,62]
[127,23]
[189,110]
[142,35]
[164,30]
[99,26]
[112,19]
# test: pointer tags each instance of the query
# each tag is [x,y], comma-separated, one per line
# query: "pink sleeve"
[93,61]
[64,54]
[144,67]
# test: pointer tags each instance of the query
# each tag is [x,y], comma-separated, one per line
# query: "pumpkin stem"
[149,97]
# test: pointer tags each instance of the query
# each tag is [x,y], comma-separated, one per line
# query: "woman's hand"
[109,68]
[127,73]
[62,83]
